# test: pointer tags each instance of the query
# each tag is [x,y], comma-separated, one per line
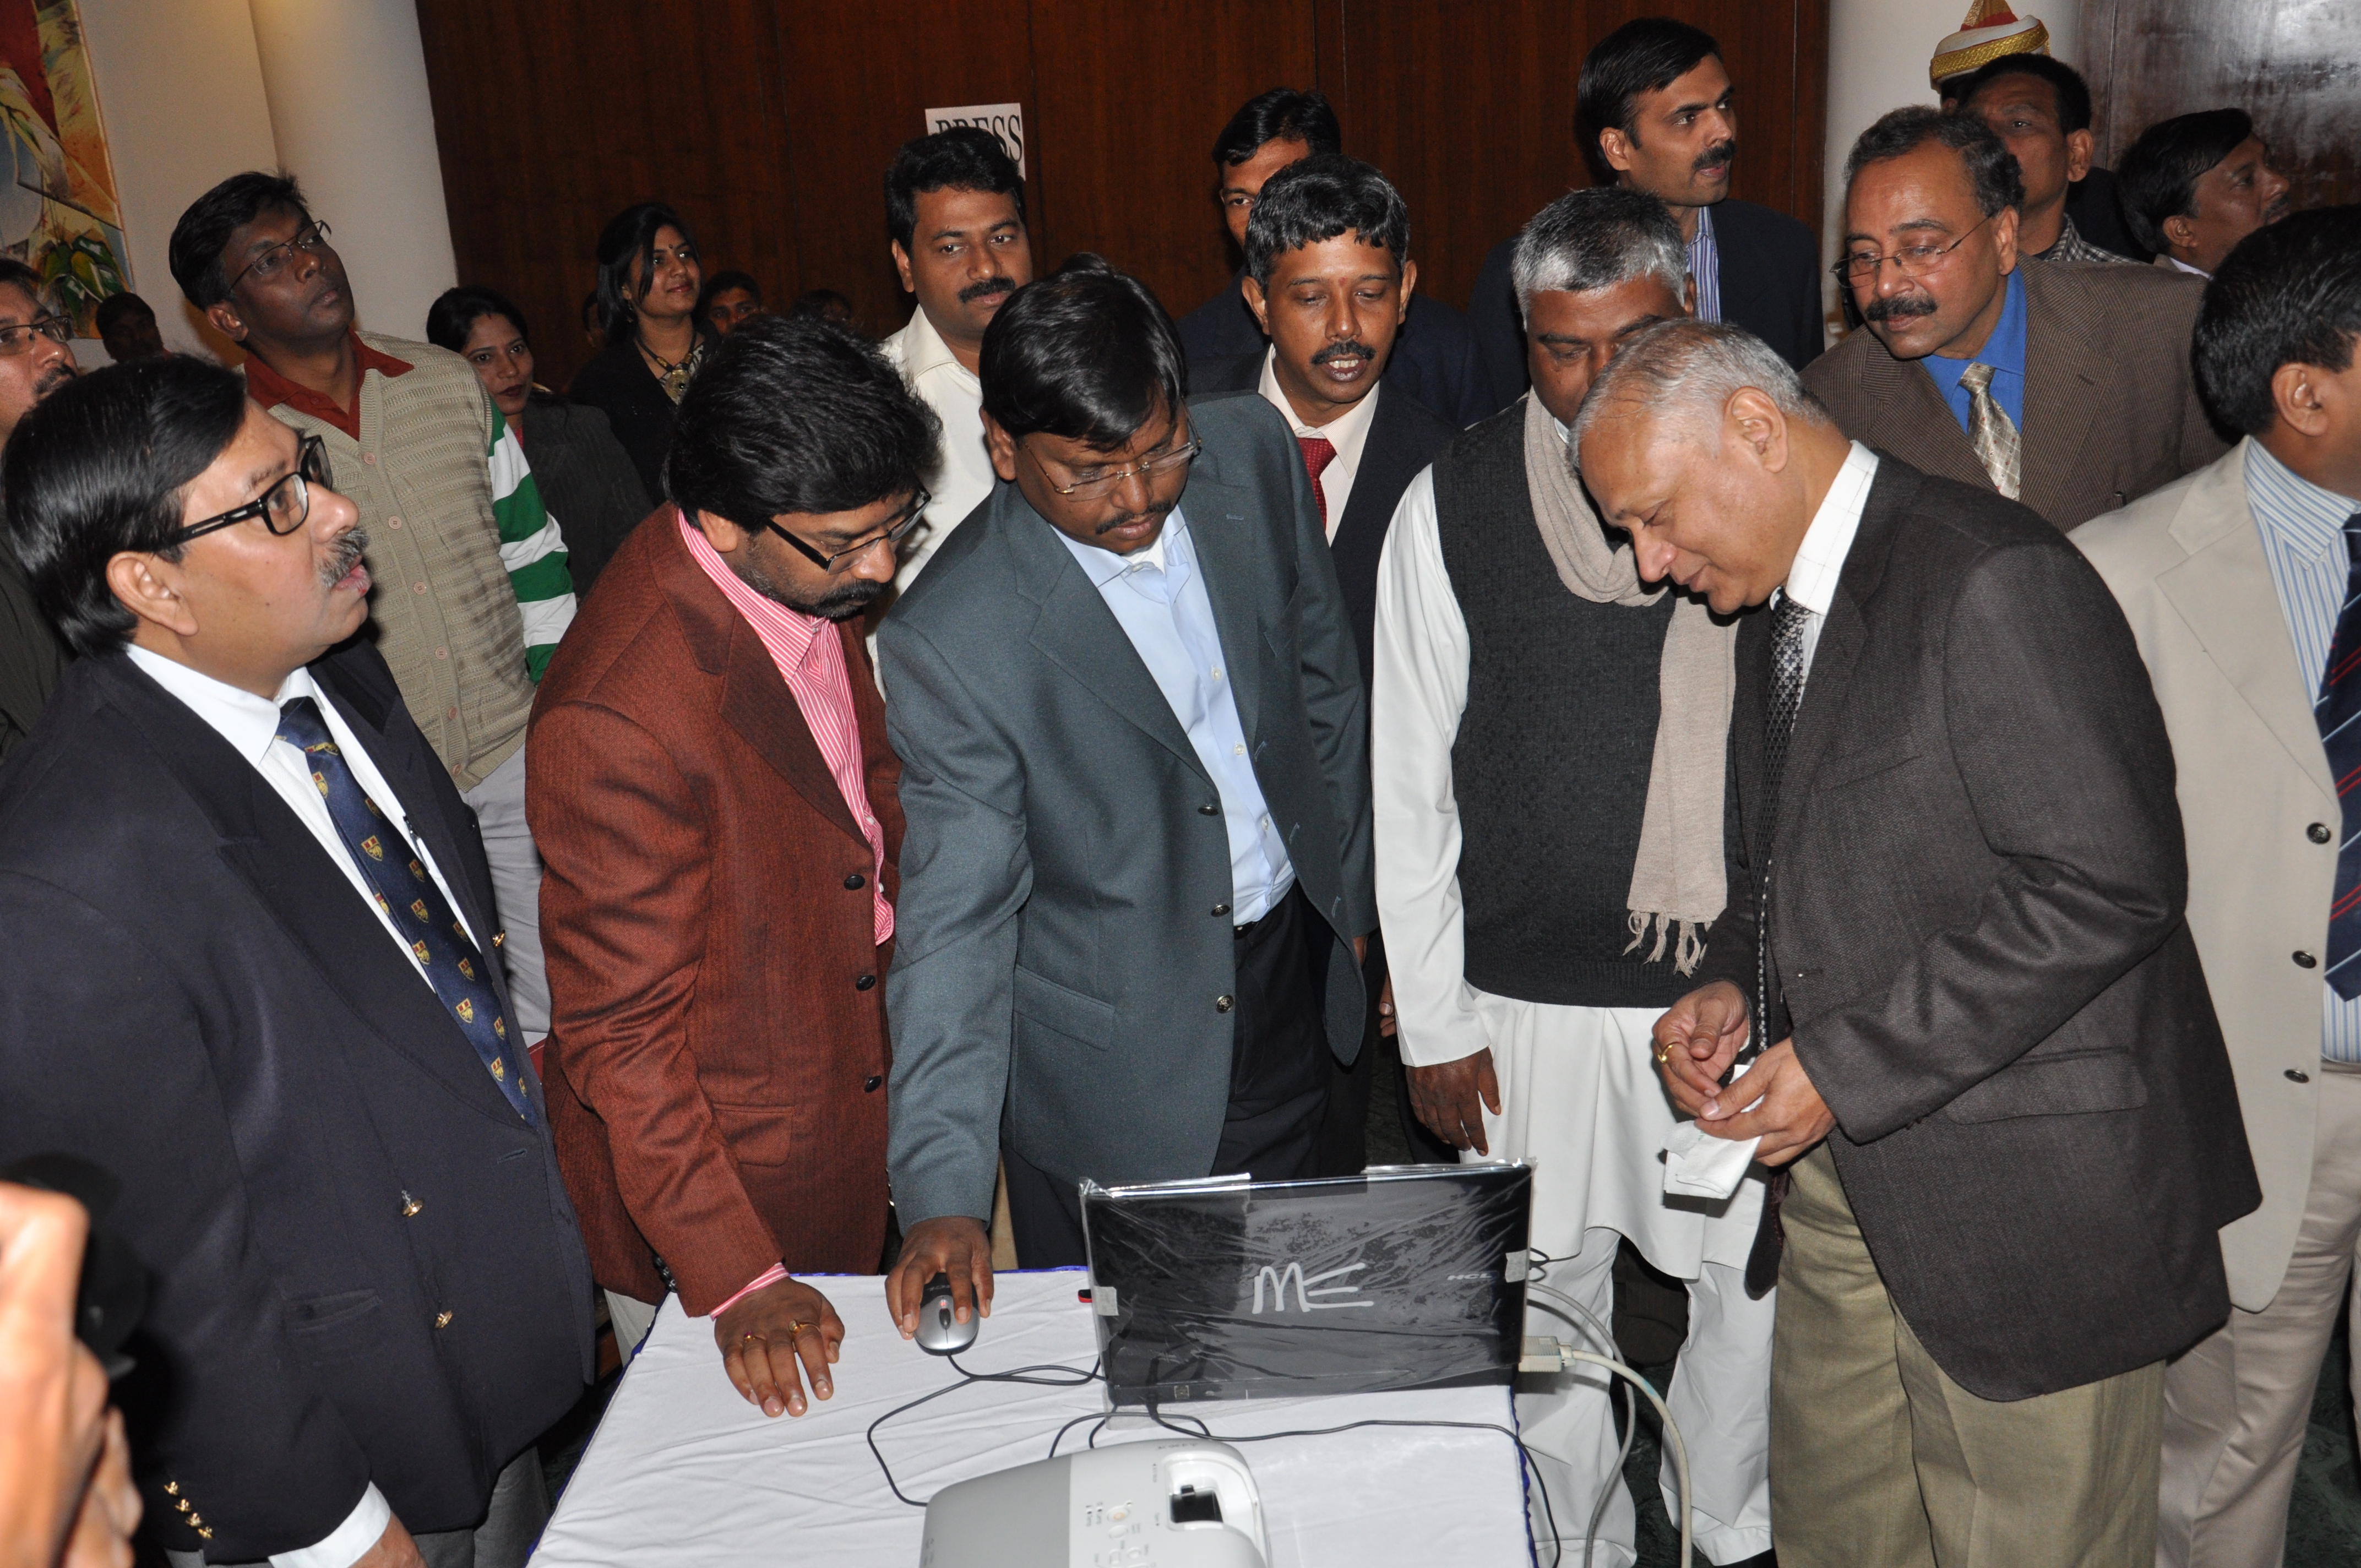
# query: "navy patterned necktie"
[2337,707]
[410,897]
[1789,620]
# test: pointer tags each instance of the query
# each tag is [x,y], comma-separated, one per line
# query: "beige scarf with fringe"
[1679,881]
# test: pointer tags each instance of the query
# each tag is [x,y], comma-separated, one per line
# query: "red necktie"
[1318,453]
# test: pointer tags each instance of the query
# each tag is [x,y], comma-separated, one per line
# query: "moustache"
[985,289]
[2278,208]
[1349,349]
[1720,152]
[343,556]
[844,603]
[56,375]
[1904,305]
[1161,509]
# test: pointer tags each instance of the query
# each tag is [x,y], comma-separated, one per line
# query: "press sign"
[1005,121]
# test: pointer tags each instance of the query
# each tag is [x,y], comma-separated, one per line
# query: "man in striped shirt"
[473,591]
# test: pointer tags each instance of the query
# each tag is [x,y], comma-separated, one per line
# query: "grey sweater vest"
[1552,761]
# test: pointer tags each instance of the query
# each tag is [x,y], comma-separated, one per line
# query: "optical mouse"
[940,1334]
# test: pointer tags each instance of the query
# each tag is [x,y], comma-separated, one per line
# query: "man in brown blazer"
[715,799]
[2064,386]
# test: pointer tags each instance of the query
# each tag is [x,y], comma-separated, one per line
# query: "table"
[683,1471]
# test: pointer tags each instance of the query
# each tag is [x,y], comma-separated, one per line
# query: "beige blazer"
[2187,566]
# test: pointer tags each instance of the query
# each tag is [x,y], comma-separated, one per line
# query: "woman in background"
[587,481]
[649,281]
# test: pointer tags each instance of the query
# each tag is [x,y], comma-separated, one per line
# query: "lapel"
[1388,463]
[1743,280]
[1909,416]
[756,699]
[2225,591]
[265,845]
[1077,633]
[1218,514]
[2060,397]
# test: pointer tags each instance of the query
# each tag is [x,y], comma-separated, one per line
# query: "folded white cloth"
[1698,1165]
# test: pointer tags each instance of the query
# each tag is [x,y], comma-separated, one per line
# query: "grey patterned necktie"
[1789,620]
[1992,433]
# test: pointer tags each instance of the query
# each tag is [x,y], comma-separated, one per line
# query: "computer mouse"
[940,1333]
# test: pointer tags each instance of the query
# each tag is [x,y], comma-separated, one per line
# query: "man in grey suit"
[1993,1080]
[1136,874]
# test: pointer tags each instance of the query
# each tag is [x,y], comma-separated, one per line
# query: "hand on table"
[1697,1040]
[954,1244]
[1790,1118]
[763,1333]
[1451,1098]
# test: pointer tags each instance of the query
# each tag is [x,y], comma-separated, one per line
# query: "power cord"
[1072,1379]
[1565,1353]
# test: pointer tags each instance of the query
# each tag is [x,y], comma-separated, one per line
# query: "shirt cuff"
[349,1542]
[770,1276]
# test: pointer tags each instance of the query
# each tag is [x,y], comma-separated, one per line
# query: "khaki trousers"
[1878,1460]
[2236,1407]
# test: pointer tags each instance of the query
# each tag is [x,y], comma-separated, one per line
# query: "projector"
[1178,1504]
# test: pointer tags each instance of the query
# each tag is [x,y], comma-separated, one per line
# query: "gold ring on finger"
[795,1328]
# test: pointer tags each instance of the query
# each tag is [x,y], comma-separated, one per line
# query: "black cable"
[1020,1374]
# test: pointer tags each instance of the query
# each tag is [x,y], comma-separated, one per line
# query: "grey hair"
[1690,367]
[1596,239]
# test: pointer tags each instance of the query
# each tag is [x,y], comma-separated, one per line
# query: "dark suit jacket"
[2094,203]
[618,384]
[717,1059]
[316,1167]
[1977,930]
[2111,408]
[587,480]
[1770,285]
[1065,944]
[30,659]
[1404,436]
[1435,357]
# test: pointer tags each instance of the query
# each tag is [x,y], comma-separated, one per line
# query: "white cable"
[1605,1339]
[1672,1430]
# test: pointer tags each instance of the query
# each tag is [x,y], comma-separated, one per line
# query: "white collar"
[249,723]
[924,350]
[2183,266]
[1819,561]
[1347,433]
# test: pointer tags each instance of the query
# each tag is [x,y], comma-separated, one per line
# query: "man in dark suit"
[1329,279]
[1655,110]
[1955,917]
[1435,361]
[248,963]
[1135,776]
[2063,385]
[36,364]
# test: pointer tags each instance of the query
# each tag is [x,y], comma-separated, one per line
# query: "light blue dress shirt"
[2302,527]
[1158,599]
[2004,351]
[1704,267]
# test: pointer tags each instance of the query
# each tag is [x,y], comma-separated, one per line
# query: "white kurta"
[964,477]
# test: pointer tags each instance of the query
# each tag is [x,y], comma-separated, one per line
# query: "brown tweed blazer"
[2111,408]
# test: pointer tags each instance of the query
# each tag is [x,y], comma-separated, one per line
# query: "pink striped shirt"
[810,657]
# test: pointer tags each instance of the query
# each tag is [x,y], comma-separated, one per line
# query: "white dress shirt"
[1347,433]
[2184,267]
[1819,560]
[964,477]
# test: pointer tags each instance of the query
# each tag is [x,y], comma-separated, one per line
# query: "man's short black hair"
[1283,113]
[456,312]
[1318,198]
[97,468]
[629,241]
[1647,54]
[2289,294]
[722,282]
[1900,132]
[964,158]
[2158,177]
[29,278]
[814,304]
[111,310]
[1086,354]
[2073,93]
[195,252]
[796,416]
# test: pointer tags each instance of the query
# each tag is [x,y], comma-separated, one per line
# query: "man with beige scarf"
[1549,839]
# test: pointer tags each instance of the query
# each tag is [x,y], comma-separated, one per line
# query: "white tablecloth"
[683,1471]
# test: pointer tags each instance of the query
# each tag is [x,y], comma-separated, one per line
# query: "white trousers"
[498,805]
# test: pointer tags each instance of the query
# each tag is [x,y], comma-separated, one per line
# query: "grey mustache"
[346,556]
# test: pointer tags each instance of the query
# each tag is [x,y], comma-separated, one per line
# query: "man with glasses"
[712,788]
[1139,871]
[36,358]
[245,935]
[472,588]
[2065,387]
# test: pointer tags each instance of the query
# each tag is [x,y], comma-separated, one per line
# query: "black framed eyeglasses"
[266,266]
[893,534]
[283,507]
[1911,261]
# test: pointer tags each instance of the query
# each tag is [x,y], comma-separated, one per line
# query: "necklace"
[672,376]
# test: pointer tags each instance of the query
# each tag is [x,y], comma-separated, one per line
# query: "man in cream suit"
[2240,584]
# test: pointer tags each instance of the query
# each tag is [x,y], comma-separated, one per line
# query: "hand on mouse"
[763,1333]
[954,1244]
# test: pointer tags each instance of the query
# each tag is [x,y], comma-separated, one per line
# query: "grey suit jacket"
[2111,408]
[1977,933]
[2187,566]
[1063,943]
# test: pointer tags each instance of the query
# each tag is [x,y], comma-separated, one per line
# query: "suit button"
[1209,811]
[1223,1004]
[443,1319]
[864,982]
[410,1207]
[2305,960]
[2318,833]
[856,881]
[870,1085]
[1221,909]
[2295,1077]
